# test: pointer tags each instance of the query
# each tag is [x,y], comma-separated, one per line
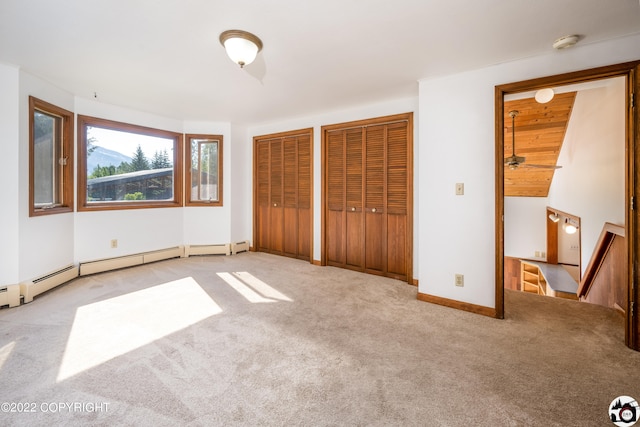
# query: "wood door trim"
[459,305]
[552,238]
[629,70]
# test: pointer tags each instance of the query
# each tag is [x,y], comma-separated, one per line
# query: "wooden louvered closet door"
[367,183]
[283,194]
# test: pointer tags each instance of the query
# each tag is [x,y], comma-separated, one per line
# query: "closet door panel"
[397,157]
[335,194]
[290,196]
[375,236]
[375,240]
[290,232]
[354,239]
[263,229]
[396,245]
[262,220]
[334,238]
[304,197]
[375,169]
[366,187]
[283,201]
[276,241]
[304,234]
[353,175]
[397,203]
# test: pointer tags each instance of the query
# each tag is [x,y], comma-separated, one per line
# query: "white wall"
[591,183]
[9,173]
[525,227]
[211,225]
[398,106]
[568,248]
[241,197]
[457,233]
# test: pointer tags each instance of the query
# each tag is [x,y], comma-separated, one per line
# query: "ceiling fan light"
[544,95]
[242,47]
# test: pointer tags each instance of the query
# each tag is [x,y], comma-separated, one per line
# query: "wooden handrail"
[608,233]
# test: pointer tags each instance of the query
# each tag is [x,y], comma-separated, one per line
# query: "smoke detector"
[565,42]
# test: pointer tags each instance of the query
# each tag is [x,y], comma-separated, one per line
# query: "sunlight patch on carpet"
[107,329]
[261,287]
[250,294]
[5,351]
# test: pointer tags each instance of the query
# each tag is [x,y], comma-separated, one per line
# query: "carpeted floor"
[255,339]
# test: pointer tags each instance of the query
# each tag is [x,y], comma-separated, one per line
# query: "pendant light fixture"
[242,47]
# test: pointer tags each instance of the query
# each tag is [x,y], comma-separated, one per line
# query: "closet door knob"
[275,204]
[373,210]
[353,209]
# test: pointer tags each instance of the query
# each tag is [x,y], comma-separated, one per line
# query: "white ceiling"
[164,57]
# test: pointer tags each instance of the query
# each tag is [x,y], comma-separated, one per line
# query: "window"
[124,166]
[50,159]
[204,170]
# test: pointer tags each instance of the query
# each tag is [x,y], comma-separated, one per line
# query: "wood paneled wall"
[609,287]
[512,273]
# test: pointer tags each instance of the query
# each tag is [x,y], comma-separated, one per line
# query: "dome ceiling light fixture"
[242,47]
[565,42]
[544,95]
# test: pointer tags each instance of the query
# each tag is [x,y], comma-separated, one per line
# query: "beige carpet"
[255,339]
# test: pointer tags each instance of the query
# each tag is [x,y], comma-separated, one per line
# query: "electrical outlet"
[459,188]
[114,243]
[459,279]
[537,254]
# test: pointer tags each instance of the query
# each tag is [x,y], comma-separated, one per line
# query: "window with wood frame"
[125,166]
[203,174]
[50,158]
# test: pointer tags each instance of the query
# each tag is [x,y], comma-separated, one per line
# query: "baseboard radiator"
[35,287]
[240,247]
[10,295]
[99,266]
[223,249]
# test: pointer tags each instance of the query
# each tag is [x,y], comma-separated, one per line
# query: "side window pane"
[44,157]
[204,172]
[50,158]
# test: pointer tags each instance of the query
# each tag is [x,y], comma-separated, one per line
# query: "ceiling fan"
[514,161]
